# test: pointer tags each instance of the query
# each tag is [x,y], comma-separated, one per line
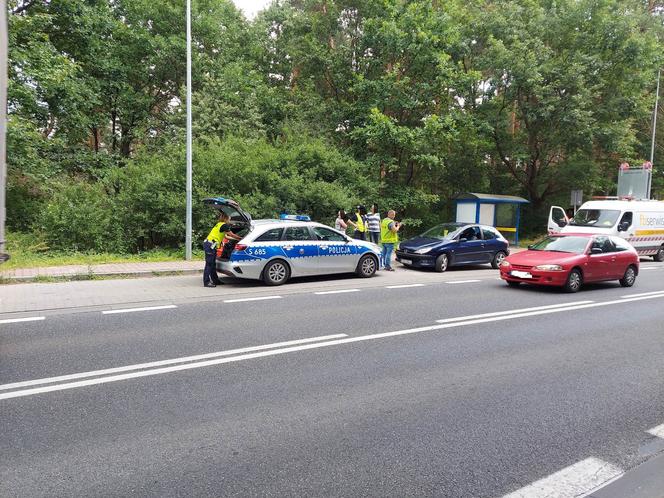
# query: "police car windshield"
[604,218]
[445,231]
[572,244]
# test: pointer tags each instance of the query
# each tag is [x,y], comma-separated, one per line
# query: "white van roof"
[622,205]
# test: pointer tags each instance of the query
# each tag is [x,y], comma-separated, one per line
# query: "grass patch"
[28,252]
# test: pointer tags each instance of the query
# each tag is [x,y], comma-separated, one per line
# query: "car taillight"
[240,247]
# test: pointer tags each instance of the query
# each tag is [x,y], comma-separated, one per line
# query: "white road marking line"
[161,363]
[462,281]
[642,294]
[245,299]
[342,291]
[403,286]
[132,310]
[657,431]
[648,268]
[510,312]
[28,319]
[274,352]
[576,480]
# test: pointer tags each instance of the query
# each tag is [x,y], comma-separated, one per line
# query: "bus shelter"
[500,211]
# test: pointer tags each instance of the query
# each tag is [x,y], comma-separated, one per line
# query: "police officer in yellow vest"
[214,240]
[359,222]
[389,237]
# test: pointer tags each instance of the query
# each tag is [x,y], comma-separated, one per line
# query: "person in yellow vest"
[389,236]
[214,240]
[359,222]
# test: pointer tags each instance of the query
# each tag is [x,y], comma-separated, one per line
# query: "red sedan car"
[570,260]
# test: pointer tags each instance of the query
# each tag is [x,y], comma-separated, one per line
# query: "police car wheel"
[367,266]
[659,257]
[276,272]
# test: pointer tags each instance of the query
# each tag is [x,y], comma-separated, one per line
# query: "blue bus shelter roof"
[488,198]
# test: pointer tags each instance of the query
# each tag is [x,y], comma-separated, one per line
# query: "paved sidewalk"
[71,271]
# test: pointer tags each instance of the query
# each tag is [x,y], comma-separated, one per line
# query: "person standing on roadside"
[373,224]
[359,223]
[340,223]
[214,240]
[389,236]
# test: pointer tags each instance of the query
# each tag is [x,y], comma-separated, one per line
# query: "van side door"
[557,219]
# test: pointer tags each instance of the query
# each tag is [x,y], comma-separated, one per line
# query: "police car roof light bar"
[294,217]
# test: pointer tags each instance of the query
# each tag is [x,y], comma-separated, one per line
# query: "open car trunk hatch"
[231,208]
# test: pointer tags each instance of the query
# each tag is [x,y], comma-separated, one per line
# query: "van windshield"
[604,218]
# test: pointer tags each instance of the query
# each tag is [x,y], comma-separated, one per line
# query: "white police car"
[275,250]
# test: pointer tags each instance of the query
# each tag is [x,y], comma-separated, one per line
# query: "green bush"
[80,217]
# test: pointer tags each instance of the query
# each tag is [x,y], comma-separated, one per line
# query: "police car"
[293,246]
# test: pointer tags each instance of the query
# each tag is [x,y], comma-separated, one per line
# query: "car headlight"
[505,264]
[424,250]
[548,268]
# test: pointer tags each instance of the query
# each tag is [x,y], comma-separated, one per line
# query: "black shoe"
[209,284]
[217,282]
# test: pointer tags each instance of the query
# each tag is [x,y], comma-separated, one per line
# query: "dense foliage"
[316,105]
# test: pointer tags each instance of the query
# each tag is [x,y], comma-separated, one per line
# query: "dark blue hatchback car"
[453,244]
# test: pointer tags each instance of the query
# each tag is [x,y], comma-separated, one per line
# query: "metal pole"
[654,121]
[188,236]
[3,125]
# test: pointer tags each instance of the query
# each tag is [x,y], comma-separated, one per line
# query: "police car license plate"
[520,274]
[406,261]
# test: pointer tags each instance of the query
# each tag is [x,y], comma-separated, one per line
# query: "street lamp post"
[3,126]
[189,174]
[654,121]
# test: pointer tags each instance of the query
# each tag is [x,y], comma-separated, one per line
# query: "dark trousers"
[210,272]
[359,235]
[374,237]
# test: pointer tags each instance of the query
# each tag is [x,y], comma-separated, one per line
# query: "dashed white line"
[132,310]
[642,294]
[303,347]
[161,363]
[405,286]
[342,291]
[462,281]
[28,319]
[657,431]
[511,312]
[245,299]
[576,480]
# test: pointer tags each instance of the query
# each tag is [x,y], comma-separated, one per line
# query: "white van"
[641,223]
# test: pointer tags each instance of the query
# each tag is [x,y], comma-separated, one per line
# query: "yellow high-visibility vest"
[387,236]
[360,223]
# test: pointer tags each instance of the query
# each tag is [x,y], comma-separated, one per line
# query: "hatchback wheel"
[276,272]
[574,281]
[659,257]
[367,266]
[442,263]
[629,278]
[497,259]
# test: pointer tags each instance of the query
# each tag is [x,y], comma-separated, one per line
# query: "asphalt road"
[359,393]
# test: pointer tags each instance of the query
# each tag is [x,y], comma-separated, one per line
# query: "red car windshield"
[571,244]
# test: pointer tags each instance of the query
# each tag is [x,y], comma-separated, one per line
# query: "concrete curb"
[68,277]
